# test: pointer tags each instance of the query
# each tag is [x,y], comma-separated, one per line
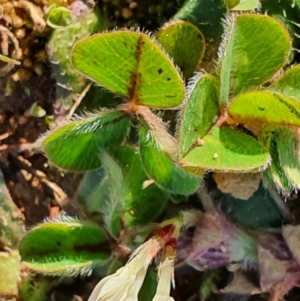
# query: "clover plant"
[167,129]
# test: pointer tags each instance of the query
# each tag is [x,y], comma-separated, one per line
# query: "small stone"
[20,33]
[27,62]
[133,5]
[27,176]
[127,13]
[22,119]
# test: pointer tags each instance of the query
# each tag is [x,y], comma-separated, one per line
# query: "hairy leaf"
[143,200]
[224,149]
[265,107]
[274,175]
[77,145]
[199,113]
[164,141]
[132,65]
[287,12]
[289,154]
[185,44]
[162,170]
[64,246]
[207,15]
[245,5]
[100,192]
[289,83]
[255,47]
[231,3]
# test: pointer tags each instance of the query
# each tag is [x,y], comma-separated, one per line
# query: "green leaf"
[59,17]
[207,15]
[148,288]
[175,37]
[162,170]
[256,47]
[225,149]
[288,13]
[265,107]
[12,226]
[199,113]
[288,152]
[274,175]
[10,268]
[209,280]
[33,290]
[36,110]
[77,145]
[231,3]
[143,201]
[289,83]
[8,60]
[132,65]
[164,141]
[98,97]
[100,194]
[65,247]
[267,213]
[243,4]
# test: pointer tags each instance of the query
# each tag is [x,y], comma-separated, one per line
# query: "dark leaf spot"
[159,71]
[261,109]
[168,79]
